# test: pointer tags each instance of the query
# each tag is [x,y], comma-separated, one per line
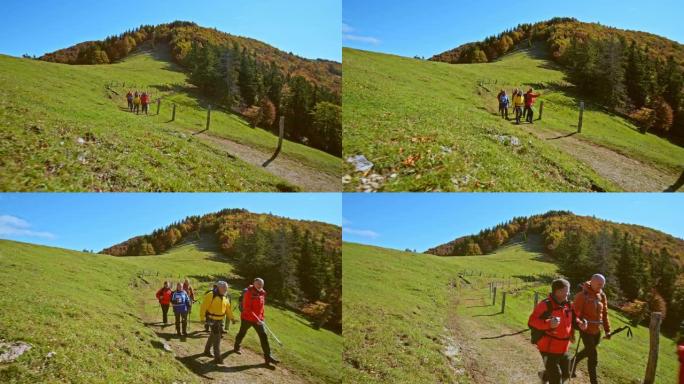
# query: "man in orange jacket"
[591,304]
[164,298]
[252,316]
[553,319]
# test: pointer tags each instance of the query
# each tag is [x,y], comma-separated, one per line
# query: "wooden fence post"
[281,134]
[541,109]
[536,299]
[208,117]
[494,297]
[654,330]
[503,302]
[581,114]
[158,105]
[173,114]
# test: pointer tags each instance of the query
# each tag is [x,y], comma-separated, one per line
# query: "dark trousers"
[518,113]
[556,367]
[181,320]
[165,313]
[529,114]
[130,105]
[144,108]
[590,353]
[244,326]
[504,111]
[214,340]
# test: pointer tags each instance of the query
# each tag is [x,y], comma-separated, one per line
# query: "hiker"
[503,104]
[216,306]
[530,97]
[252,316]
[591,304]
[144,101]
[129,98]
[552,323]
[181,307]
[191,293]
[206,324]
[136,103]
[518,104]
[164,298]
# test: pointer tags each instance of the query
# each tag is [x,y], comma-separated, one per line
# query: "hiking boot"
[218,361]
[236,350]
[271,360]
[207,354]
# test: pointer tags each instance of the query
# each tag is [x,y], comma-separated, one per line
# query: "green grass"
[90,309]
[46,107]
[398,107]
[396,309]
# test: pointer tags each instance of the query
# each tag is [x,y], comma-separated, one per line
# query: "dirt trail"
[248,367]
[629,174]
[298,174]
[511,359]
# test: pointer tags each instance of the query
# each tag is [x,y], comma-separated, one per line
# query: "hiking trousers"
[181,320]
[504,111]
[259,328]
[518,114]
[589,352]
[130,105]
[214,340]
[165,313]
[529,114]
[556,367]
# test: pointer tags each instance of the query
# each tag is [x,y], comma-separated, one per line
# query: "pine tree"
[636,77]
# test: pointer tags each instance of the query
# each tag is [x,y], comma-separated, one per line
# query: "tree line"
[640,263]
[301,261]
[635,74]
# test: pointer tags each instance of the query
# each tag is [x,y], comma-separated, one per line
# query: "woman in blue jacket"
[181,304]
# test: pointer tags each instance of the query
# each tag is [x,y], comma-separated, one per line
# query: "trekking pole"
[574,358]
[268,329]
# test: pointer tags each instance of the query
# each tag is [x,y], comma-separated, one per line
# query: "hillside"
[431,126]
[300,259]
[628,72]
[243,75]
[105,305]
[424,324]
[62,130]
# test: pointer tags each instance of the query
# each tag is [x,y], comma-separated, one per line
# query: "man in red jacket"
[252,316]
[164,298]
[530,97]
[553,320]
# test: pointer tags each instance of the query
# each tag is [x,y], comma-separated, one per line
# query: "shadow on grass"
[562,136]
[479,306]
[490,315]
[505,335]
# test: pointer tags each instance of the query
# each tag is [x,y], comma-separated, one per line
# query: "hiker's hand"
[583,325]
[554,322]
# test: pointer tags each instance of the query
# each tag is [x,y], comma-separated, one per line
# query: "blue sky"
[95,221]
[423,220]
[309,28]
[425,28]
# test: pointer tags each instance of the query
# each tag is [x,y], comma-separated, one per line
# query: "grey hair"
[598,276]
[221,283]
[559,284]
[259,279]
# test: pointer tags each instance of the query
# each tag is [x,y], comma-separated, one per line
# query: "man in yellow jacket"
[216,306]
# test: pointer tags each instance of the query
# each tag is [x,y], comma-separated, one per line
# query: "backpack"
[240,299]
[503,99]
[536,334]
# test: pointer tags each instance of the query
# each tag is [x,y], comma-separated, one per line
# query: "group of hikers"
[215,308]
[522,104]
[136,100]
[554,321]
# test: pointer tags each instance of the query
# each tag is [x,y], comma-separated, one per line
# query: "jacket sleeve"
[204,307]
[578,306]
[606,321]
[535,320]
[158,295]
[247,303]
